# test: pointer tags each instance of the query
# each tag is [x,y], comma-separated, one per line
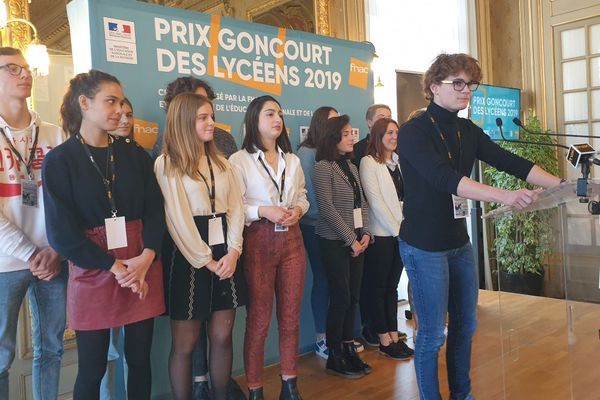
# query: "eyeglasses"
[15,69]
[459,85]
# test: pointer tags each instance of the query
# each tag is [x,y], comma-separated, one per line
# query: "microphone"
[579,153]
[518,123]
[499,124]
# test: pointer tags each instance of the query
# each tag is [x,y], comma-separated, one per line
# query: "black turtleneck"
[430,178]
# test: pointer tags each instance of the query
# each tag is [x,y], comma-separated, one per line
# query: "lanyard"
[29,162]
[108,179]
[343,164]
[458,137]
[211,189]
[280,191]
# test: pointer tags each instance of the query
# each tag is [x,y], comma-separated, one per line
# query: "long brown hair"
[375,147]
[180,141]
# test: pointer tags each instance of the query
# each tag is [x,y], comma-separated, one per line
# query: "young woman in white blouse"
[205,220]
[383,187]
[274,196]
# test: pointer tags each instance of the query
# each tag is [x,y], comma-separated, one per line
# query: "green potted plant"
[523,241]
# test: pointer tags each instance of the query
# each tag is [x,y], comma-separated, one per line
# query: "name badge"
[281,228]
[460,206]
[358,222]
[215,231]
[29,193]
[116,234]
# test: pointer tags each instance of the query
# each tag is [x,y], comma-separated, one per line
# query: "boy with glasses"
[27,263]
[437,151]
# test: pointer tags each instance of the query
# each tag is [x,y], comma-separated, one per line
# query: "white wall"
[408,34]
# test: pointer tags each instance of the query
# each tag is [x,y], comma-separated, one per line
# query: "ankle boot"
[354,359]
[338,364]
[255,394]
[289,390]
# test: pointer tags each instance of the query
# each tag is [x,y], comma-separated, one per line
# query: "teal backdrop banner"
[491,102]
[146,46]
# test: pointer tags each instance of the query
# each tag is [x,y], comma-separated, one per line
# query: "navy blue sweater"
[430,178]
[75,199]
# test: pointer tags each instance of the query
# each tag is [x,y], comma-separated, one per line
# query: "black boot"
[289,390]
[255,394]
[354,359]
[234,391]
[338,364]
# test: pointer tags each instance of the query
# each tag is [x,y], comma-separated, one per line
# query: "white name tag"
[281,228]
[215,231]
[29,193]
[116,234]
[460,206]
[358,222]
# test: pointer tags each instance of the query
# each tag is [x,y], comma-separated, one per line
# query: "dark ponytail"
[87,84]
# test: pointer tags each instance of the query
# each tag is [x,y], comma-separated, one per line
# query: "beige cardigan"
[185,198]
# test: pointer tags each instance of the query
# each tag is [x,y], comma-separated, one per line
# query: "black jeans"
[92,349]
[344,274]
[383,267]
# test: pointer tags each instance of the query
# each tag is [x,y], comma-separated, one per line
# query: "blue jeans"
[443,282]
[319,295]
[48,311]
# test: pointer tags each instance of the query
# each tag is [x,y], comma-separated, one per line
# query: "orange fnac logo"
[359,73]
[145,133]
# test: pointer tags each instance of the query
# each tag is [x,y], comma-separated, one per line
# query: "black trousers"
[92,349]
[344,274]
[383,267]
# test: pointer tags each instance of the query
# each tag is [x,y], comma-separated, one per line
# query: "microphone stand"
[518,122]
[586,161]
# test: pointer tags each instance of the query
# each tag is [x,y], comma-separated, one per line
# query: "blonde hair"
[180,141]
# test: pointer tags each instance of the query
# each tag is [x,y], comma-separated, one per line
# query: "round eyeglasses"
[15,69]
[459,85]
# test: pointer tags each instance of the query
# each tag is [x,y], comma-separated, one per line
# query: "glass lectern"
[551,333]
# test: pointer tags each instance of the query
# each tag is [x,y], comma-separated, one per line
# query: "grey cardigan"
[335,198]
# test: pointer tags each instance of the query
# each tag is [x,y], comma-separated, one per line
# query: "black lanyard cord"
[343,164]
[108,179]
[458,138]
[31,159]
[279,190]
[211,189]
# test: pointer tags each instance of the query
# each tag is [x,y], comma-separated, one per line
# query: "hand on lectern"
[521,198]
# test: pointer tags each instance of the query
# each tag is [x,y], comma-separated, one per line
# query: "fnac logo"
[145,133]
[359,73]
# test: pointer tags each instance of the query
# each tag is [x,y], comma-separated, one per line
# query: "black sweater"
[75,199]
[430,178]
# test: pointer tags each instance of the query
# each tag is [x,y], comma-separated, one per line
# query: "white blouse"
[258,188]
[186,197]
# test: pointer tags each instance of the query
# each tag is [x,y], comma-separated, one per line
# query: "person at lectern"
[437,151]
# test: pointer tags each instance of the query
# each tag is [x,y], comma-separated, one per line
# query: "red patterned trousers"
[274,264]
